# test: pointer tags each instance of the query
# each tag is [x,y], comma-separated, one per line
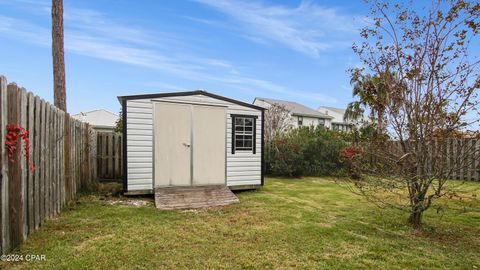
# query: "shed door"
[190,144]
[209,145]
[172,144]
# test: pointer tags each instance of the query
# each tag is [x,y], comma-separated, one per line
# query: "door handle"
[186,145]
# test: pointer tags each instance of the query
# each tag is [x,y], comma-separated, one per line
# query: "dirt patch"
[110,189]
[452,237]
[111,193]
[137,202]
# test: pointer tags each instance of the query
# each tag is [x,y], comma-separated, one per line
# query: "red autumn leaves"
[14,133]
[350,152]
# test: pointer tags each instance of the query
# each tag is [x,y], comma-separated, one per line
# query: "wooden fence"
[456,158]
[469,152]
[109,155]
[62,151]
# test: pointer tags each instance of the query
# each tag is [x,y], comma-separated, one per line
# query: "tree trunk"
[415,219]
[59,89]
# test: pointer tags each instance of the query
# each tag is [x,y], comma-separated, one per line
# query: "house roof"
[189,93]
[337,110]
[296,108]
[98,118]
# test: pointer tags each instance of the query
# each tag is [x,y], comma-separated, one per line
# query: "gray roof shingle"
[296,108]
[338,110]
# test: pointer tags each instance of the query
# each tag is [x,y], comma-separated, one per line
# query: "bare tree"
[421,86]
[277,121]
[59,88]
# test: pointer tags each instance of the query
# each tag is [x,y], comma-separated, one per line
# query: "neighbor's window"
[244,133]
[321,122]
[300,121]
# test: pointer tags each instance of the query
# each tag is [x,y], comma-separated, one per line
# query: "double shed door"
[190,144]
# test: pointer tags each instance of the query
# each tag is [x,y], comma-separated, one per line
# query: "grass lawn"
[296,223]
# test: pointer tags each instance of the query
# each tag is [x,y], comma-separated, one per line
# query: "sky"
[242,49]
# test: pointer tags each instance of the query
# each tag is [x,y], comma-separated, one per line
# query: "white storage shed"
[188,139]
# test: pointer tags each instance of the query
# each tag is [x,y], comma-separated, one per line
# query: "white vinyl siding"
[139,145]
[243,167]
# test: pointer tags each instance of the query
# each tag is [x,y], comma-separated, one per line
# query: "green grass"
[296,223]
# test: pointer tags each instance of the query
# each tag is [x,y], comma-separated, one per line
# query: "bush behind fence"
[305,151]
[315,151]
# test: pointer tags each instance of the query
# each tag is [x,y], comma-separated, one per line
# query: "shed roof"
[189,93]
[296,108]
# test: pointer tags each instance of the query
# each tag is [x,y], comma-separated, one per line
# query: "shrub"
[305,151]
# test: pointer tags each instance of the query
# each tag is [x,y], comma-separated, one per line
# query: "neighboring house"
[300,115]
[190,139]
[100,120]
[338,123]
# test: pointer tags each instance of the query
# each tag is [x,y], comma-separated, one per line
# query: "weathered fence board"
[23,164]
[4,188]
[109,155]
[36,160]
[15,173]
[457,158]
[31,181]
[61,150]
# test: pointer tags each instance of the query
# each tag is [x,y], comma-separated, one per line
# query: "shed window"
[243,133]
[300,121]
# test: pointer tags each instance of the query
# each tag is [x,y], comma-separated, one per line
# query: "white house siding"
[338,123]
[308,121]
[293,119]
[243,168]
[337,117]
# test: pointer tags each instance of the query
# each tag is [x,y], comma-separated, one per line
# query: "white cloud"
[96,23]
[24,30]
[93,34]
[307,28]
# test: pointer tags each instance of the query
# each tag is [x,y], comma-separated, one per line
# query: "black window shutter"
[233,135]
[254,135]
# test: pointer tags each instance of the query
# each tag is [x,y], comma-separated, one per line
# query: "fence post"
[469,159]
[4,180]
[15,172]
[93,154]
[477,159]
[40,160]
[88,168]
[32,198]
[67,157]
[23,163]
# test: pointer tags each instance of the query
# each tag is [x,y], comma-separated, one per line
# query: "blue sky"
[294,50]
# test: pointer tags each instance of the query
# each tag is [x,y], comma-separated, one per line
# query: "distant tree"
[421,85]
[372,92]
[59,88]
[277,121]
[119,122]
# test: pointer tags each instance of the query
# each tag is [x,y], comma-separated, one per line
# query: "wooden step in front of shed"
[193,197]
